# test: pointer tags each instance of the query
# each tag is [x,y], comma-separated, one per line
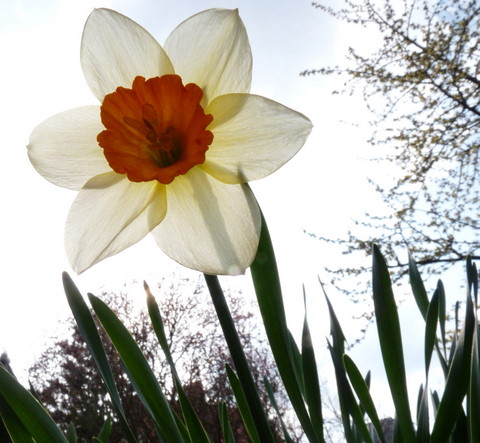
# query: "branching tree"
[66,381]
[422,83]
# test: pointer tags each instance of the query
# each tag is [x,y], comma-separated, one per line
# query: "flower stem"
[239,358]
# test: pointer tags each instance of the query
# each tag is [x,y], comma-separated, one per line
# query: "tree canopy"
[422,84]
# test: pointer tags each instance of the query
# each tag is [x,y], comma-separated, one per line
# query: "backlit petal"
[212,50]
[209,226]
[115,49]
[110,214]
[64,148]
[253,137]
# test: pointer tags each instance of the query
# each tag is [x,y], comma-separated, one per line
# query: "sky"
[321,190]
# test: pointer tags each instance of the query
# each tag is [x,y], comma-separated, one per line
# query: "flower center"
[156,130]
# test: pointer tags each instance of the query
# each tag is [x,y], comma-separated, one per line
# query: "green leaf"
[397,432]
[473,399]
[431,330]
[239,359]
[90,334]
[227,432]
[389,334]
[335,329]
[158,327]
[106,430]
[195,429]
[473,395]
[337,351]
[472,278]
[361,389]
[139,372]
[442,317]
[271,397]
[34,418]
[368,379]
[242,404]
[297,362]
[423,424]
[435,401]
[348,404]
[343,392]
[418,288]
[310,376]
[269,295]
[442,353]
[14,429]
[71,434]
[456,386]
[453,345]
[460,430]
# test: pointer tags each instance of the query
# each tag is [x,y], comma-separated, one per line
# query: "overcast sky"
[320,190]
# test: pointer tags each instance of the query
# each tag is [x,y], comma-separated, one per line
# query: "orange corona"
[156,130]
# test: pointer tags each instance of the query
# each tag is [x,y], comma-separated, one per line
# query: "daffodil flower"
[170,149]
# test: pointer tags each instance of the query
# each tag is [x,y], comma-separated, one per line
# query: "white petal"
[253,137]
[110,214]
[115,50]
[64,148]
[211,227]
[212,50]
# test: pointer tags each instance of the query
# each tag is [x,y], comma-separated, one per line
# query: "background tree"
[422,84]
[67,382]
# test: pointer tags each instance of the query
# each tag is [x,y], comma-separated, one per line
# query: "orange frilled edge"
[156,130]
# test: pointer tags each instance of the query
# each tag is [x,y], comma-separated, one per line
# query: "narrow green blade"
[89,332]
[337,350]
[349,406]
[269,295]
[473,400]
[442,317]
[194,426]
[271,397]
[29,411]
[450,407]
[243,405]
[423,422]
[343,392]
[431,321]
[139,372]
[227,432]
[13,429]
[296,362]
[435,401]
[106,430]
[472,278]
[397,432]
[388,326]
[71,434]
[239,358]
[310,376]
[453,345]
[335,329]
[361,389]
[442,352]
[193,423]
[473,395]
[418,288]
